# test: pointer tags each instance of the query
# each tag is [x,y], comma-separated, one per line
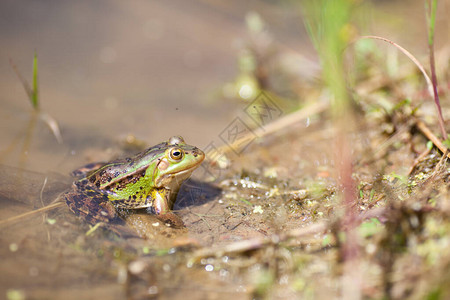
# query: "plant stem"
[328,23]
[431,20]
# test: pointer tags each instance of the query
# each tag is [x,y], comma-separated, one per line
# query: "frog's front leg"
[160,201]
[162,206]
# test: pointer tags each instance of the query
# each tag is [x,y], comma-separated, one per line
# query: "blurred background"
[150,69]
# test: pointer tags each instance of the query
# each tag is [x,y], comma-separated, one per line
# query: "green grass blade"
[328,24]
[34,94]
[431,19]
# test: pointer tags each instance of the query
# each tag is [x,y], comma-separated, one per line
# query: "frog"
[148,180]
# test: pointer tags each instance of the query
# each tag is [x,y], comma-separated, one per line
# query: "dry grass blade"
[431,87]
[431,7]
[25,84]
[277,125]
[31,213]
[53,125]
[409,55]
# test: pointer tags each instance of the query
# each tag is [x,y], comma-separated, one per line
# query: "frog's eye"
[176,154]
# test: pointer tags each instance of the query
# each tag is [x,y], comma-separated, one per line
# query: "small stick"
[441,162]
[30,213]
[279,124]
[434,139]
[419,159]
[257,243]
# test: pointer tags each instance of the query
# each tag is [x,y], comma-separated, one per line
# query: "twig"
[441,162]
[434,139]
[257,243]
[277,125]
[419,159]
[92,229]
[30,213]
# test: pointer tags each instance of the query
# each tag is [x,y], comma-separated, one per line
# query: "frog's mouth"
[176,178]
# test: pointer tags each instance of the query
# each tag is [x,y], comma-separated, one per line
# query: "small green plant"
[431,6]
[33,96]
[329,26]
[32,93]
[369,228]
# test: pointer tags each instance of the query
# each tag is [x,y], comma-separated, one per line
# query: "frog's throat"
[178,176]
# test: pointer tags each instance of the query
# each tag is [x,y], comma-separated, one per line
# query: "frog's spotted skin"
[151,179]
[91,205]
[83,171]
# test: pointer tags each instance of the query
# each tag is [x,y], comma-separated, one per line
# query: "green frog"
[150,179]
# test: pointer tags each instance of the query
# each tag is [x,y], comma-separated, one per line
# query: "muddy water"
[152,70]
[53,254]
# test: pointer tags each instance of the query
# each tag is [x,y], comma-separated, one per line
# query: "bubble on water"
[246,91]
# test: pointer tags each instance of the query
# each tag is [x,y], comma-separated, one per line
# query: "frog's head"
[175,163]
[165,165]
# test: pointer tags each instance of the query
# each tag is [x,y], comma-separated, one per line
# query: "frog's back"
[85,170]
